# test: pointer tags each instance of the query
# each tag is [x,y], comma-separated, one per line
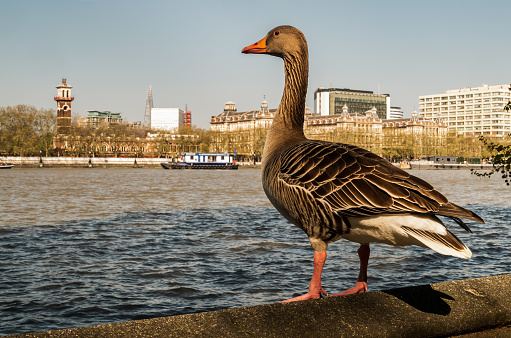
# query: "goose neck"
[291,110]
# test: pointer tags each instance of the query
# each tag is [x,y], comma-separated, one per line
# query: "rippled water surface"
[91,246]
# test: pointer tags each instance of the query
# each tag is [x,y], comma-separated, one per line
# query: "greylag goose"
[333,191]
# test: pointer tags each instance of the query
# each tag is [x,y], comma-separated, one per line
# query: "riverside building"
[230,119]
[330,101]
[364,130]
[168,119]
[246,131]
[473,111]
[96,118]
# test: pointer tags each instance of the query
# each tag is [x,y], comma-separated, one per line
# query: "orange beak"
[256,48]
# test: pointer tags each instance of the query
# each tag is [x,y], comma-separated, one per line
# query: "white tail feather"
[445,244]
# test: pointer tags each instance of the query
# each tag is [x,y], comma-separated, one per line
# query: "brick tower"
[63,99]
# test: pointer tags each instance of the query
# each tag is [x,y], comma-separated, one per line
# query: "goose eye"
[276,33]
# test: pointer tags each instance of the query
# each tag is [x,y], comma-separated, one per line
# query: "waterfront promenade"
[82,162]
[426,165]
[473,308]
[94,162]
[130,162]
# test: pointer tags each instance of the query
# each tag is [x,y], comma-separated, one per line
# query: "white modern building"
[330,101]
[395,113]
[167,118]
[478,111]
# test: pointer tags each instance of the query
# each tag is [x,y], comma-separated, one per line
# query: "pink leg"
[361,285]
[315,288]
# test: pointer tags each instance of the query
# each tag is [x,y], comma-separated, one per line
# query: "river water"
[82,247]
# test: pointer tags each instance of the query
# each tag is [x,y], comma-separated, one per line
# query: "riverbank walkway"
[95,162]
[467,308]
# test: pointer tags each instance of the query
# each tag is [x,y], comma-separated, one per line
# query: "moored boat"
[202,161]
[4,165]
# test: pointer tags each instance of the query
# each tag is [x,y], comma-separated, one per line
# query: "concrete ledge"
[83,162]
[444,309]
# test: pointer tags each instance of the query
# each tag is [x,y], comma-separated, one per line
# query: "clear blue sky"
[110,51]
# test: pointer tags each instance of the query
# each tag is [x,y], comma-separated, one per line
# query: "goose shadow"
[424,298]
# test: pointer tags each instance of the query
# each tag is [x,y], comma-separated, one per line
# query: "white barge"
[202,161]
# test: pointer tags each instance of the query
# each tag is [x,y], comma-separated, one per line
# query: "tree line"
[28,131]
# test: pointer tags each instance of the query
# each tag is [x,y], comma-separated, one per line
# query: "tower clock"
[64,100]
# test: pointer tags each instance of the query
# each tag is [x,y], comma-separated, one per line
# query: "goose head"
[282,41]
[288,43]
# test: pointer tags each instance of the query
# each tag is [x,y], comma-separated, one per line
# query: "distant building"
[148,107]
[230,119]
[475,111]
[415,135]
[167,118]
[96,118]
[364,130]
[187,118]
[395,113]
[164,118]
[64,100]
[330,101]
[249,128]
[417,126]
[246,131]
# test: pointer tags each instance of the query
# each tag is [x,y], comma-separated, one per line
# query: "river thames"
[83,247]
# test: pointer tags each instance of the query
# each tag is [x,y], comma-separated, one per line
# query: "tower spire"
[148,107]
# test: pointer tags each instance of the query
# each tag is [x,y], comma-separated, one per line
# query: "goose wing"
[355,182]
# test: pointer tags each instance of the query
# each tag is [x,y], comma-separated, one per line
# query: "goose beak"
[257,48]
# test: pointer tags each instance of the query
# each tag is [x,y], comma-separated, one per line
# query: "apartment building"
[475,111]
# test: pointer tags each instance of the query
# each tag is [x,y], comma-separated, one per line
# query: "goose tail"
[455,211]
[445,244]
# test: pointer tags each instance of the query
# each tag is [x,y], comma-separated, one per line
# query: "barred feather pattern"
[317,184]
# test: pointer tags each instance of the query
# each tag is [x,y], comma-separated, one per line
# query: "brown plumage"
[334,191]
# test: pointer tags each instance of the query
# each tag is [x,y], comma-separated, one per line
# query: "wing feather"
[352,181]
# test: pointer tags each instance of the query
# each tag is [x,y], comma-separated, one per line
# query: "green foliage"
[26,130]
[122,140]
[248,143]
[500,153]
[501,159]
